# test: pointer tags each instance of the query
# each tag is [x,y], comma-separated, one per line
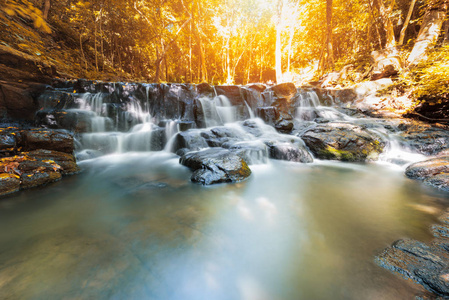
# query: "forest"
[232,41]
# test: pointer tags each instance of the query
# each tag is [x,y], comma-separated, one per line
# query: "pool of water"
[132,226]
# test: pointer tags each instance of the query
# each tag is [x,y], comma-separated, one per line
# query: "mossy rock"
[345,142]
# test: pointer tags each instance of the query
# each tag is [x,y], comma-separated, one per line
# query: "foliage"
[231,41]
[430,77]
[26,9]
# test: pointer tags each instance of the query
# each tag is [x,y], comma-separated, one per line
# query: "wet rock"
[38,178]
[428,168]
[58,140]
[54,99]
[268,114]
[426,139]
[66,161]
[440,181]
[252,152]
[88,154]
[284,126]
[215,165]
[252,127]
[79,121]
[8,141]
[342,141]
[289,152]
[9,183]
[426,265]
[205,89]
[232,92]
[190,139]
[220,135]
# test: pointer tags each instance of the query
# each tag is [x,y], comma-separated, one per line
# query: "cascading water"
[310,108]
[292,231]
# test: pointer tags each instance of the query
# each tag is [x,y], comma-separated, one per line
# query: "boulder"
[215,165]
[342,141]
[58,140]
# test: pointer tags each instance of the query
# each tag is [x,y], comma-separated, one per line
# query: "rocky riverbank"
[34,157]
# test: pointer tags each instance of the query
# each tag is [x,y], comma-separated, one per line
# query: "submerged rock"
[427,265]
[342,141]
[215,165]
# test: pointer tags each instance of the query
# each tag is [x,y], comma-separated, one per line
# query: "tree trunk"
[95,42]
[391,41]
[278,51]
[429,31]
[330,54]
[47,6]
[406,22]
[384,14]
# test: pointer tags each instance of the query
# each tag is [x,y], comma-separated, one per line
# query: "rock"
[342,141]
[8,141]
[9,183]
[232,92]
[33,69]
[215,165]
[54,99]
[289,152]
[88,154]
[426,265]
[190,139]
[428,168]
[284,90]
[205,89]
[284,126]
[426,139]
[38,178]
[252,152]
[79,121]
[268,114]
[17,102]
[440,181]
[58,140]
[65,160]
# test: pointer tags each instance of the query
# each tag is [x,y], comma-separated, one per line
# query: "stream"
[133,226]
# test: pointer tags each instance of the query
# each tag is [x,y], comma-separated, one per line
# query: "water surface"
[133,227]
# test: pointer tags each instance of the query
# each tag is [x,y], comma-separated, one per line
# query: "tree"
[429,31]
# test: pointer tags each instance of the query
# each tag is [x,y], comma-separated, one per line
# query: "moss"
[332,153]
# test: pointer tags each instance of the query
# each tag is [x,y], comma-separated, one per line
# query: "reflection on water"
[134,227]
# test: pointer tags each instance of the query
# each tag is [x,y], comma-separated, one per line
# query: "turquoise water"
[134,227]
